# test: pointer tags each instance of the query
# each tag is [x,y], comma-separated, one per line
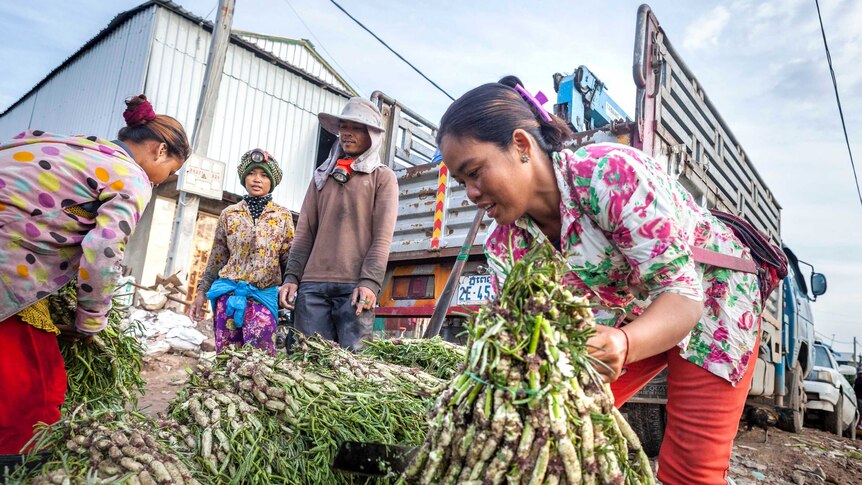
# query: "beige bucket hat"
[358,110]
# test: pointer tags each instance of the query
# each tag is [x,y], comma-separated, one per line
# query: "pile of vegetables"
[522,404]
[228,439]
[434,356]
[104,446]
[530,408]
[251,418]
[247,417]
[105,370]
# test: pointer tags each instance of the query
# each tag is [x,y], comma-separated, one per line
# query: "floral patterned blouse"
[627,230]
[247,251]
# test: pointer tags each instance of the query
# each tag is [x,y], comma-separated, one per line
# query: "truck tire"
[648,422]
[792,421]
[835,420]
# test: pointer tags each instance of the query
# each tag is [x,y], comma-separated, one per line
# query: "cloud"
[704,31]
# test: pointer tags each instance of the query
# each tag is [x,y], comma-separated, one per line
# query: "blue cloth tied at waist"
[241,291]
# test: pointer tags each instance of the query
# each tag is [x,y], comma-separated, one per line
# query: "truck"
[677,124]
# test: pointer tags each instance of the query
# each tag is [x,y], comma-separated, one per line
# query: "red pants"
[32,382]
[703,412]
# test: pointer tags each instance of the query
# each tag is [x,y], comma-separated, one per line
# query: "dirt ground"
[166,373]
[810,457]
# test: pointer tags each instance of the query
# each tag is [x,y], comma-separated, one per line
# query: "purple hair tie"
[538,100]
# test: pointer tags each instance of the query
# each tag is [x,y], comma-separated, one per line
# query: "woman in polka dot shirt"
[68,205]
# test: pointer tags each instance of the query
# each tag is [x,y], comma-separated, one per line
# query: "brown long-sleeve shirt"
[345,231]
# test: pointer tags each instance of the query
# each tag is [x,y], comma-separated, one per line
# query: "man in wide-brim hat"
[341,248]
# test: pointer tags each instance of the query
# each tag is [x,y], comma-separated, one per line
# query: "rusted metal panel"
[417,198]
[410,138]
[416,209]
[409,147]
[613,133]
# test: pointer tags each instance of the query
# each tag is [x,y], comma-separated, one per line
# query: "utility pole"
[183,233]
[854,349]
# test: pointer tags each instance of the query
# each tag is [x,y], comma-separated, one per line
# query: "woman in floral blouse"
[627,231]
[252,242]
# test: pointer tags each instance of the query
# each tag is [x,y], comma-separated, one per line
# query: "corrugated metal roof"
[121,18]
[300,53]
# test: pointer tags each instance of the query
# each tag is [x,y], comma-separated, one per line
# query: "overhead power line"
[397,54]
[838,99]
[832,339]
[319,43]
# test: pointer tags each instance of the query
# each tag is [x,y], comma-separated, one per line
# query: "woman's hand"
[72,333]
[363,299]
[665,322]
[196,310]
[611,347]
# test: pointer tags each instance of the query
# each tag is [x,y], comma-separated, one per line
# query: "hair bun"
[138,111]
[511,81]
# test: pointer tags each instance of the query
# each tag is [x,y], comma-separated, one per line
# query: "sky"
[762,64]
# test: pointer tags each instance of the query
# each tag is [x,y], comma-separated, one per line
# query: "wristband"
[626,358]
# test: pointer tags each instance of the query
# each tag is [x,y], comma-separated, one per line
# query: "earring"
[525,159]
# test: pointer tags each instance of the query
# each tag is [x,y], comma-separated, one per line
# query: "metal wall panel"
[260,104]
[297,54]
[87,95]
[679,123]
[163,54]
[17,120]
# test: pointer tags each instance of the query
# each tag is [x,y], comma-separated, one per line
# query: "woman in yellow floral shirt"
[251,245]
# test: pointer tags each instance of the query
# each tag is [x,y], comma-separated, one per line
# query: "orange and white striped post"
[442,178]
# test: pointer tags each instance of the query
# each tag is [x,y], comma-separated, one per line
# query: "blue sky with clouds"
[761,62]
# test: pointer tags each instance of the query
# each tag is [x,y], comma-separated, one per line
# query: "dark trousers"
[326,309]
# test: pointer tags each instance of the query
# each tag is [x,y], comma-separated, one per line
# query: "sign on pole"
[202,176]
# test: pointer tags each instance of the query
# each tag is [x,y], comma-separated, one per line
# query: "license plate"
[475,290]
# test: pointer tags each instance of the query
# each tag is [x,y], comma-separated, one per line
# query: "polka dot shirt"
[67,208]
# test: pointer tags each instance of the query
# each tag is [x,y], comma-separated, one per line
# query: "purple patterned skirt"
[258,328]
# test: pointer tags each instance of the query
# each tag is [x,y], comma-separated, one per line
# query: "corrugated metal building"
[271,92]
